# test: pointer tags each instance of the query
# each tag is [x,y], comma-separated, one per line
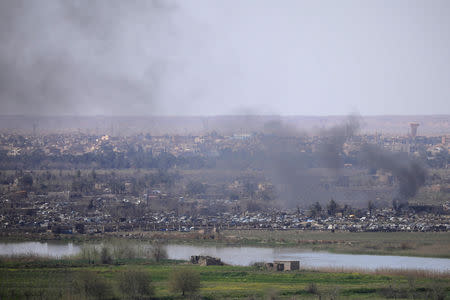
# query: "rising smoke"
[290,169]
[297,184]
[175,57]
[79,57]
[334,138]
[128,57]
[409,173]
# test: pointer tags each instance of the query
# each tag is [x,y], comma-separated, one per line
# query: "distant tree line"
[225,158]
[101,160]
[109,159]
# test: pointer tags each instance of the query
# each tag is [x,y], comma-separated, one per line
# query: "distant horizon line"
[224,115]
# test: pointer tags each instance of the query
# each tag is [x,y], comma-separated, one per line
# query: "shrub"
[184,281]
[312,288]
[89,253]
[405,246]
[105,256]
[135,284]
[90,285]
[259,265]
[437,291]
[393,292]
[158,252]
[124,250]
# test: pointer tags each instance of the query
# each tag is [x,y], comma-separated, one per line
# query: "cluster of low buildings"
[64,217]
[208,145]
[104,210]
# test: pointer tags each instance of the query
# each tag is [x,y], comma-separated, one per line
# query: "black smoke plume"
[409,173]
[291,169]
[333,139]
[299,175]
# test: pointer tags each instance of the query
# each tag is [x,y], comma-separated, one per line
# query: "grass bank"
[41,278]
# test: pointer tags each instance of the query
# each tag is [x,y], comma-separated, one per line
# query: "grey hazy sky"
[115,57]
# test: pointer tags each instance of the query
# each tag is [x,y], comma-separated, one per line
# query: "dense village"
[62,218]
[92,184]
[432,148]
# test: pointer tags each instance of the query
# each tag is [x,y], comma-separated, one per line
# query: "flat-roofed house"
[284,265]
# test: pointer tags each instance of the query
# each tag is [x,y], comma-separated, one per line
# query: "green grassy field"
[34,278]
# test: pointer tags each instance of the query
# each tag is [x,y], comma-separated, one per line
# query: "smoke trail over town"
[334,139]
[75,57]
[290,169]
[170,57]
[409,173]
[147,57]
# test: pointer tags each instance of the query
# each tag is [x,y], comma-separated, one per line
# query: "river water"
[247,255]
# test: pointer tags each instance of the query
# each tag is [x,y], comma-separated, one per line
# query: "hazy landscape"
[224,150]
[431,125]
[308,193]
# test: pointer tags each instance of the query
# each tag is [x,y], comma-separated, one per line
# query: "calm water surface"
[247,255]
